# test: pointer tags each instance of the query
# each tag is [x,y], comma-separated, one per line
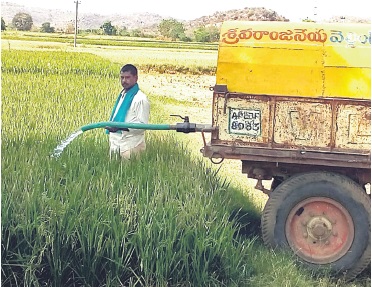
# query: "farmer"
[131,106]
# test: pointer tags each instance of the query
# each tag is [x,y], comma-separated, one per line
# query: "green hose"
[126,125]
[184,127]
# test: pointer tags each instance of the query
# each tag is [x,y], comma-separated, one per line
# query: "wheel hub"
[320,230]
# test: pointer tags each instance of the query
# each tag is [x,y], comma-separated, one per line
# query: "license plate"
[245,121]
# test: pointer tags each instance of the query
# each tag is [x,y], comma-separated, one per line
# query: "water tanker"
[292,103]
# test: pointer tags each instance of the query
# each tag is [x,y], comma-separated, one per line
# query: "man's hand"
[114,130]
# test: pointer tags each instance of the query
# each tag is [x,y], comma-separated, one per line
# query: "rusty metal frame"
[304,157]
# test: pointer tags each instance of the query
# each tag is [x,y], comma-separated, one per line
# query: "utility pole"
[76,21]
[316,11]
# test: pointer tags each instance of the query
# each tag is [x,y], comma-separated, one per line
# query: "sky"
[295,10]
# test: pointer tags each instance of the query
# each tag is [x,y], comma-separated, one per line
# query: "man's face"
[127,80]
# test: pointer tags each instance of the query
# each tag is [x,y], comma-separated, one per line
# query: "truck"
[292,103]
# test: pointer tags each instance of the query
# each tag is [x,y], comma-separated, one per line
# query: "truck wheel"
[324,218]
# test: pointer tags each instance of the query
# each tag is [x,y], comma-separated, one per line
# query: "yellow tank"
[295,59]
[292,103]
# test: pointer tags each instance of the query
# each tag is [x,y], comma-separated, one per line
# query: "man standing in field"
[131,106]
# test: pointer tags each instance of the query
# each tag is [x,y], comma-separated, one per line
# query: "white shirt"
[138,112]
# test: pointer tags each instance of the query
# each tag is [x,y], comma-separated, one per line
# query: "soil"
[193,89]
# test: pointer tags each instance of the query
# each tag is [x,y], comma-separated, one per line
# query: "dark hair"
[129,68]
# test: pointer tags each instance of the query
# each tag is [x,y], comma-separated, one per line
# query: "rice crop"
[83,219]
[163,219]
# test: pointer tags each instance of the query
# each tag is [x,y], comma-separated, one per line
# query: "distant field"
[193,61]
[107,40]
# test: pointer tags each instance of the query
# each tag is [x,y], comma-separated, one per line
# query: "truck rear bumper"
[266,164]
[290,156]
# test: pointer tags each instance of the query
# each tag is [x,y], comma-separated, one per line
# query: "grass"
[168,218]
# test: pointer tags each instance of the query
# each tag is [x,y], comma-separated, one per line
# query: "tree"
[136,33]
[46,28]
[108,28]
[124,32]
[70,28]
[171,28]
[201,34]
[204,34]
[214,34]
[3,26]
[22,21]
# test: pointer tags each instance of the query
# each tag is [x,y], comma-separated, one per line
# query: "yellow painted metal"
[296,59]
